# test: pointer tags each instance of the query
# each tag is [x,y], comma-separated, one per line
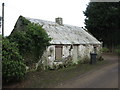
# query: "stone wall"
[78,53]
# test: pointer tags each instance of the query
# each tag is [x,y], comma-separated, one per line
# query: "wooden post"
[3,19]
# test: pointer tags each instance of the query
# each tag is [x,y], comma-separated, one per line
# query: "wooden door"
[58,52]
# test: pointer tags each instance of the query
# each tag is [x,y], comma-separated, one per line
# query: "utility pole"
[0,22]
[3,19]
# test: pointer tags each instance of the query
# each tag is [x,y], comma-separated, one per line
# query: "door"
[58,52]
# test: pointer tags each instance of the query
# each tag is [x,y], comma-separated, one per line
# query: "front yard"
[51,78]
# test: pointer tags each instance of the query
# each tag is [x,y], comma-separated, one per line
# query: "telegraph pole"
[0,22]
[3,19]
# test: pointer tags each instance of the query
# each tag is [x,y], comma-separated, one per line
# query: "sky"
[70,10]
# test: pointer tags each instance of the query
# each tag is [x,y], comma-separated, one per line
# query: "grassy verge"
[50,78]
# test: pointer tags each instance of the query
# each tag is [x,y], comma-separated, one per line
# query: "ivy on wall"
[31,39]
[24,46]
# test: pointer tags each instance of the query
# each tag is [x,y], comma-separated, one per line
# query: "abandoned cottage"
[68,42]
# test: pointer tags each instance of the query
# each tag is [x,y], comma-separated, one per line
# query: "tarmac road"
[103,77]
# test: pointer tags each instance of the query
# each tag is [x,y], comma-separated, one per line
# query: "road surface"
[103,77]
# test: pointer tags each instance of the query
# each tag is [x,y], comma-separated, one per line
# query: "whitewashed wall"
[77,52]
[66,52]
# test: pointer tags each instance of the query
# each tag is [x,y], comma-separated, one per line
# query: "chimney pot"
[59,21]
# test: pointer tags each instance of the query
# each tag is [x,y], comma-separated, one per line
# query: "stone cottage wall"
[77,53]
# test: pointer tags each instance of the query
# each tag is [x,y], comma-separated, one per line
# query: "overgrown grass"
[117,50]
[105,50]
[50,78]
[114,50]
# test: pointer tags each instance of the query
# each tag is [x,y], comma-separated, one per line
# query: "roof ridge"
[53,22]
[65,34]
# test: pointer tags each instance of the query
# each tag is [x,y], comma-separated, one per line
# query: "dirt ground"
[79,76]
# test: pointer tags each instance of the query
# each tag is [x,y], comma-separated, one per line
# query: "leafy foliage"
[31,39]
[29,42]
[10,50]
[105,50]
[117,50]
[103,21]
[13,68]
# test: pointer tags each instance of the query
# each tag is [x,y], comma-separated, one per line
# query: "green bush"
[100,58]
[10,50]
[117,50]
[13,68]
[31,39]
[104,49]
[84,60]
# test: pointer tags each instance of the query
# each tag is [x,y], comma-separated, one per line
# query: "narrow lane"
[104,77]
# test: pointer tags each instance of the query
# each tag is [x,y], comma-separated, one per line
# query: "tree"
[103,21]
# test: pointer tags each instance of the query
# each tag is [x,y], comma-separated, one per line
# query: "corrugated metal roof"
[65,34]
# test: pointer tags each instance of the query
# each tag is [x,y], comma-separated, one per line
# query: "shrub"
[10,50]
[13,68]
[31,39]
[117,50]
[104,49]
[100,58]
[84,60]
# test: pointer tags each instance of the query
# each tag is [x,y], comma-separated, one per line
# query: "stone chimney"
[59,21]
